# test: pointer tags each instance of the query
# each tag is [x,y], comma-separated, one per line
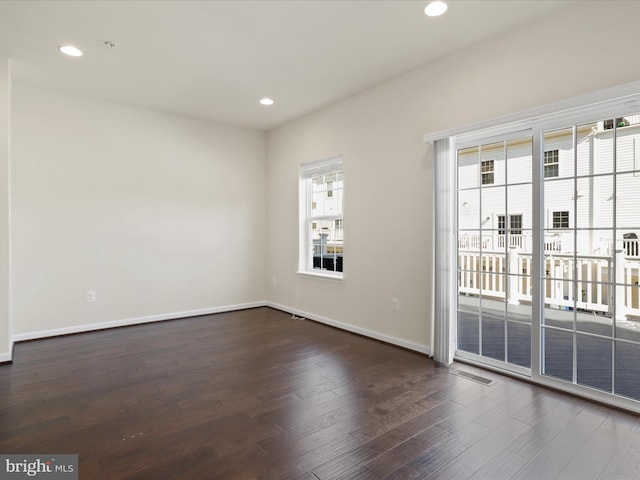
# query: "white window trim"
[305,259]
[597,105]
[560,218]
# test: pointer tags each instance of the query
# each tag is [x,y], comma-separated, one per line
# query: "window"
[322,227]
[502,225]
[561,219]
[486,172]
[515,224]
[619,122]
[551,164]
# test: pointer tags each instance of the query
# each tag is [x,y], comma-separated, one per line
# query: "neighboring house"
[327,232]
[583,201]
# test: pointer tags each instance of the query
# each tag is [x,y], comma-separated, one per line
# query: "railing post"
[514,294]
[621,307]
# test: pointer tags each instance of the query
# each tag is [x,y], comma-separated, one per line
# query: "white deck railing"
[552,243]
[587,285]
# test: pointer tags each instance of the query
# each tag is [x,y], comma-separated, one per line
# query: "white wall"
[157,214]
[388,175]
[5,156]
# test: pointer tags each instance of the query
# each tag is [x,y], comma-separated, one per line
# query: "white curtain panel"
[445,287]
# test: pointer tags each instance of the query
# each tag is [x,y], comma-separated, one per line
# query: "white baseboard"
[6,357]
[129,321]
[400,342]
[20,337]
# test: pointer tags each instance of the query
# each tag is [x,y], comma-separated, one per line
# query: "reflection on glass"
[557,357]
[594,362]
[627,373]
[519,344]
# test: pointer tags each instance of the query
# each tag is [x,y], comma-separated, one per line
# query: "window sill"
[322,276]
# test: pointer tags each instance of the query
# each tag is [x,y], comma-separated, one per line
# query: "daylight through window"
[322,227]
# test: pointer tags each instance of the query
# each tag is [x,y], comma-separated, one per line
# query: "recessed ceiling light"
[435,9]
[70,50]
[266,101]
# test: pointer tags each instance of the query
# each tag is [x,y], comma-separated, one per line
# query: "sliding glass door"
[548,227]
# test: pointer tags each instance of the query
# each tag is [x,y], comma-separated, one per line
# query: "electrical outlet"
[91,296]
[395,304]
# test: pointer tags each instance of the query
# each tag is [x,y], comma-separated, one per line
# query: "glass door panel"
[494,266]
[590,329]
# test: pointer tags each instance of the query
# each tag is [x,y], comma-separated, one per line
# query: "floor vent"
[471,376]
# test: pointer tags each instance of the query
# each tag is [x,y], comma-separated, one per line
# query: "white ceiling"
[215,59]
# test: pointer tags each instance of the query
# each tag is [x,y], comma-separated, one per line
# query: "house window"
[551,164]
[486,172]
[561,219]
[329,188]
[502,225]
[321,225]
[515,225]
[619,122]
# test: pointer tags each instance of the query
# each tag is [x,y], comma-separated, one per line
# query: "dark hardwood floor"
[256,395]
